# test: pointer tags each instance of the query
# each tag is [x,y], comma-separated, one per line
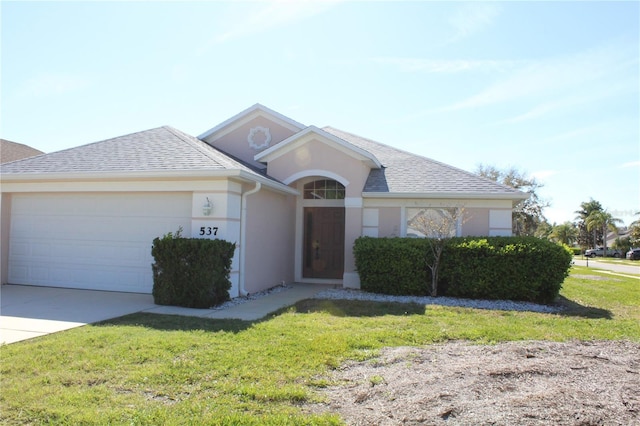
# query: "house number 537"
[209,230]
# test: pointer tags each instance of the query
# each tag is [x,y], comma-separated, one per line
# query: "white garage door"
[91,241]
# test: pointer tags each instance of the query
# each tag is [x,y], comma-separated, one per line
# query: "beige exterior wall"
[270,240]
[237,144]
[5,226]
[482,217]
[475,222]
[315,158]
[390,222]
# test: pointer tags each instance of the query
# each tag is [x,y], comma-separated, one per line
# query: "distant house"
[12,151]
[293,197]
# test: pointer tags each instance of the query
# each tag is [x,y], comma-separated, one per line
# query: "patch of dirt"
[458,383]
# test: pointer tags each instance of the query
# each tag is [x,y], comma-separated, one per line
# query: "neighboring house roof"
[12,151]
[406,173]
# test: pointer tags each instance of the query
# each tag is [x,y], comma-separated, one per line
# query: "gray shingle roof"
[404,172]
[160,149]
[13,151]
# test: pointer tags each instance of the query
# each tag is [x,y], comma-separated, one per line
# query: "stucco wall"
[237,144]
[316,157]
[5,226]
[476,222]
[389,222]
[481,217]
[270,240]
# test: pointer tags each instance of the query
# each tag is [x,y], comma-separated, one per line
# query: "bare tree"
[438,225]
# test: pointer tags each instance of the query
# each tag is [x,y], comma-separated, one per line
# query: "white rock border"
[351,294]
[501,305]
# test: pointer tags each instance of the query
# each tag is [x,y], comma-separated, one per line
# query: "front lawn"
[158,369]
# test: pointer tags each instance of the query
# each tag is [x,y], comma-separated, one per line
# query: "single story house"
[293,197]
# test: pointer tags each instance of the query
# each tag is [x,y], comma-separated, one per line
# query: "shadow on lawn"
[358,308]
[341,308]
[179,323]
[574,309]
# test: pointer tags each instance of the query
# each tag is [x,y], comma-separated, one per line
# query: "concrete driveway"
[28,312]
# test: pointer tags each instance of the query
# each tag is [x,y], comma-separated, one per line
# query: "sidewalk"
[250,310]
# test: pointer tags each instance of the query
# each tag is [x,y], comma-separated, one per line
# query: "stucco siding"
[389,222]
[237,143]
[270,240]
[5,226]
[475,222]
[318,156]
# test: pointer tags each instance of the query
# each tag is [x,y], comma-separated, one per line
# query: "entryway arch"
[320,228]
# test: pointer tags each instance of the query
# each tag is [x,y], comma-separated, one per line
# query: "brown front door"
[323,242]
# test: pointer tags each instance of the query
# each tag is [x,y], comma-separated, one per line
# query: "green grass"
[156,369]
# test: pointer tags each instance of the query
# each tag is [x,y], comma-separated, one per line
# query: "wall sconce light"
[207,208]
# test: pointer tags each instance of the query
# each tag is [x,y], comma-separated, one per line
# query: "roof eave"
[151,175]
[274,151]
[515,196]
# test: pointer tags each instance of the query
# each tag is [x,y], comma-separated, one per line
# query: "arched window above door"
[324,189]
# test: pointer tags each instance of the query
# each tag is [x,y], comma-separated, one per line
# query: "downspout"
[243,237]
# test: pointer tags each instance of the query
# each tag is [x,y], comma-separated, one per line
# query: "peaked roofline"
[244,115]
[275,150]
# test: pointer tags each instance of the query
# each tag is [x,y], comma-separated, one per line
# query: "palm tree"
[586,209]
[603,220]
[565,233]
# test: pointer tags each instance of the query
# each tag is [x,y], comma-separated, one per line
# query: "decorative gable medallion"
[259,137]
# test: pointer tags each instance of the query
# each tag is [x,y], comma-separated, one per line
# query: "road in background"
[623,269]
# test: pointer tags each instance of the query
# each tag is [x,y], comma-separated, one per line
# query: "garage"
[98,241]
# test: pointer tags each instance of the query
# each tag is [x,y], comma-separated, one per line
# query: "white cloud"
[442,65]
[543,174]
[630,164]
[472,18]
[572,100]
[555,75]
[51,84]
[269,15]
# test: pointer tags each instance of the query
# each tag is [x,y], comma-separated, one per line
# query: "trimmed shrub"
[392,265]
[511,268]
[191,272]
[514,268]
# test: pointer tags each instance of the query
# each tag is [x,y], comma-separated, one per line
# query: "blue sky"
[551,88]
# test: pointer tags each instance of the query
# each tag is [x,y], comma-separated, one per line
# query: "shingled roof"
[407,173]
[13,151]
[155,150]
[165,149]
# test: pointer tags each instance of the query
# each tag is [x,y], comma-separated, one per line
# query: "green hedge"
[191,272]
[511,268]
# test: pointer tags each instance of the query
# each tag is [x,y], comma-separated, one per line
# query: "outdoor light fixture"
[207,208]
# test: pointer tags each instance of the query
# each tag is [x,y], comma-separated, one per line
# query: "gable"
[313,156]
[250,138]
[250,132]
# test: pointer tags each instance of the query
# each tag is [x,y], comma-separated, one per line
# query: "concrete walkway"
[27,312]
